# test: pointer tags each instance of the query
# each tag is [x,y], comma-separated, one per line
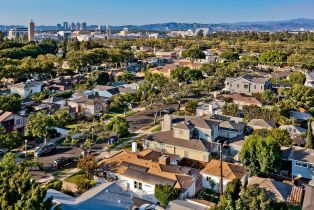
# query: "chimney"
[167,123]
[134,147]
[164,160]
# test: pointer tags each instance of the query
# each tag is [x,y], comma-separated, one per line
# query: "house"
[293,129]
[164,70]
[210,108]
[108,195]
[309,79]
[191,137]
[300,116]
[246,84]
[190,204]
[242,100]
[278,191]
[230,171]
[24,89]
[55,100]
[142,171]
[302,161]
[110,91]
[88,104]
[308,201]
[12,122]
[258,124]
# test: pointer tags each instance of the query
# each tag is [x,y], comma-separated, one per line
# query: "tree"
[39,125]
[119,125]
[62,118]
[229,54]
[253,198]
[268,97]
[191,106]
[10,140]
[193,54]
[230,109]
[260,155]
[233,189]
[273,57]
[125,77]
[166,193]
[88,164]
[296,78]
[281,136]
[99,78]
[297,96]
[309,136]
[18,190]
[11,103]
[185,74]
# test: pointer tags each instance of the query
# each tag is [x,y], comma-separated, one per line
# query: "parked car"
[45,149]
[169,110]
[63,162]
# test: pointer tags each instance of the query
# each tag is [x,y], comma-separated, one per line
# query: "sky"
[139,12]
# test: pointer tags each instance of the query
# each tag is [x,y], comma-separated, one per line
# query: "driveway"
[143,118]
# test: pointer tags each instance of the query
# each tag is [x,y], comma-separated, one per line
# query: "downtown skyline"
[123,12]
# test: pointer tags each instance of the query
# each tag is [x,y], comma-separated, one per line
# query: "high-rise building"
[65,26]
[78,26]
[59,27]
[108,30]
[83,26]
[31,31]
[73,26]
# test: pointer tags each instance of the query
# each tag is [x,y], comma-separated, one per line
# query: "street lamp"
[25,148]
[221,144]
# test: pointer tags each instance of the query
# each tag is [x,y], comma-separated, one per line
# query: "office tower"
[78,26]
[65,26]
[73,26]
[59,27]
[31,31]
[108,30]
[83,26]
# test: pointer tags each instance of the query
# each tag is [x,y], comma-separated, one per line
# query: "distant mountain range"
[290,25]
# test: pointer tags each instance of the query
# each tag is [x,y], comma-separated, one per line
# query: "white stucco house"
[24,89]
[211,174]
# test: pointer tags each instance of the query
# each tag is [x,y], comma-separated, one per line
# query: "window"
[238,85]
[138,185]
[246,86]
[227,83]
[181,132]
[255,87]
[18,121]
[304,165]
[262,87]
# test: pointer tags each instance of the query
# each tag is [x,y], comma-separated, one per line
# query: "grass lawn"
[158,128]
[75,178]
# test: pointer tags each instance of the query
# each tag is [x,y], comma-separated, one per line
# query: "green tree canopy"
[185,74]
[260,155]
[298,96]
[11,103]
[18,190]
[296,78]
[166,193]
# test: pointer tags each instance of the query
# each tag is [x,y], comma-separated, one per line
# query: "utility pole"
[221,175]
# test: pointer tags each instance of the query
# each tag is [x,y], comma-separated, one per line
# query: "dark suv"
[63,162]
